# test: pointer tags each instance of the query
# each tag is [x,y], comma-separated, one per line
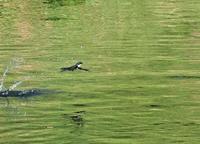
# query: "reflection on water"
[143,86]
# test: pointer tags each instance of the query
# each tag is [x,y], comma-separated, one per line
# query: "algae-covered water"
[144,78]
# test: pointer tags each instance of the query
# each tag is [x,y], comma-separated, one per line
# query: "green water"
[143,83]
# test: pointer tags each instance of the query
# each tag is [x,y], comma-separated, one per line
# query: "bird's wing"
[83,69]
[71,68]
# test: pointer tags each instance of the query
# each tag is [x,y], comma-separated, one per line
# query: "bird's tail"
[62,69]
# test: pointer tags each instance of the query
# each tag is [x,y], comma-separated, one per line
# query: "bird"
[76,66]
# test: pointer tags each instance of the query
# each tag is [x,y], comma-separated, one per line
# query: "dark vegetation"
[57,3]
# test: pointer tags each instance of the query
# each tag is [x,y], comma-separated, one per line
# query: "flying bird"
[76,66]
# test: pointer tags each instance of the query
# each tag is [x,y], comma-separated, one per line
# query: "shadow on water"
[58,3]
[54,18]
[154,106]
[182,77]
[76,118]
[79,105]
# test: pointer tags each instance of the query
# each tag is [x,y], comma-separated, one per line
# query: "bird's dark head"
[79,63]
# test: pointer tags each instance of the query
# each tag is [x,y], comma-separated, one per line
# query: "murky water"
[143,83]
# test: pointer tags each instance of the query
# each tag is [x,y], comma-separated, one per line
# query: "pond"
[142,86]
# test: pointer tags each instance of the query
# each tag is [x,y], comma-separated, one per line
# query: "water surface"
[143,83]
